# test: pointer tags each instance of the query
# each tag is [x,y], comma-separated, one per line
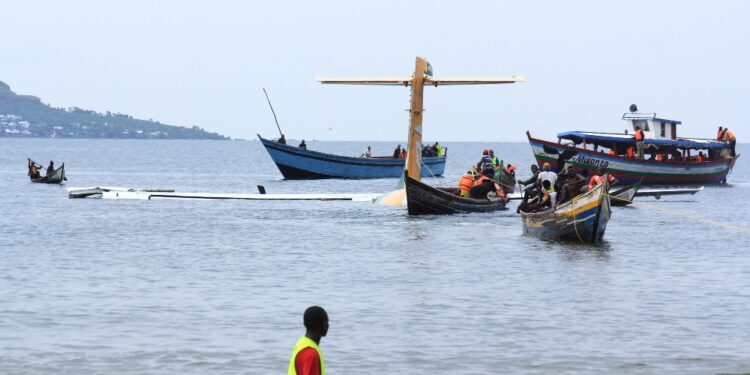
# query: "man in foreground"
[306,356]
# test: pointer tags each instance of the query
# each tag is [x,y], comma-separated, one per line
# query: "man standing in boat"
[50,168]
[730,138]
[639,142]
[303,145]
[307,358]
[282,140]
[397,152]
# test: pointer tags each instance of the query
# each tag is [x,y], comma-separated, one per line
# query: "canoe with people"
[52,175]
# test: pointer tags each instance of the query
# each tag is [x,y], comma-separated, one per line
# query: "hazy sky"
[205,63]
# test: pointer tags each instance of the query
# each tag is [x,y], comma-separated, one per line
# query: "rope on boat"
[738,228]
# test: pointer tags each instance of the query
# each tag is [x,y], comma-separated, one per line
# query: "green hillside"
[27,116]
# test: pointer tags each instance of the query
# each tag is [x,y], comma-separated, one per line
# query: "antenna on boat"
[274,113]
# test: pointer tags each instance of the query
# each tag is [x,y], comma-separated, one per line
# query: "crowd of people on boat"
[483,181]
[546,189]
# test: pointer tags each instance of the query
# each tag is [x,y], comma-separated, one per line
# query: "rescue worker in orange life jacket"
[484,186]
[465,184]
[731,139]
[639,136]
[598,179]
[511,170]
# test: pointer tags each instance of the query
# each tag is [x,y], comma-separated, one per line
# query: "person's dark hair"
[546,184]
[315,318]
[534,166]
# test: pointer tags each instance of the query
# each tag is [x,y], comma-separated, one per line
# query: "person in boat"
[573,182]
[598,179]
[731,139]
[439,150]
[485,188]
[511,169]
[307,359]
[403,153]
[367,153]
[485,162]
[547,175]
[397,152]
[639,137]
[700,158]
[51,168]
[34,170]
[531,180]
[465,184]
[303,145]
[495,160]
[282,140]
[720,134]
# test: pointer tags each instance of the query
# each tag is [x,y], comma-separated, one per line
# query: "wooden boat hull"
[298,164]
[583,219]
[631,170]
[624,196]
[423,199]
[58,177]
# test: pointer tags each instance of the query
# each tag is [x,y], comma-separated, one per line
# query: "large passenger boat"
[667,160]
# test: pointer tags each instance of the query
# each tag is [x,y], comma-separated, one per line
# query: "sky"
[205,63]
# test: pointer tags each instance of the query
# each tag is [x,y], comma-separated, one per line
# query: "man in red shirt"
[307,358]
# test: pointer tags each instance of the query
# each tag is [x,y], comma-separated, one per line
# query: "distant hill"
[27,116]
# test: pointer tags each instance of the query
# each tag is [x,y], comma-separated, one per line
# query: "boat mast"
[414,151]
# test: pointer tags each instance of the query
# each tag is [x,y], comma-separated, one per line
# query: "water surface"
[194,287]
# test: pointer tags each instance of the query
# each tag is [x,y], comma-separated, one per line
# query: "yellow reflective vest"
[302,343]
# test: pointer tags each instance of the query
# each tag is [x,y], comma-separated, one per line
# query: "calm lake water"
[193,287]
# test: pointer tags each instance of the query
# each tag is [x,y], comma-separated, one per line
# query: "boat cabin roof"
[606,140]
[648,116]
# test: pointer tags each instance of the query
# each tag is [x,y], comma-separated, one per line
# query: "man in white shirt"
[547,175]
[367,153]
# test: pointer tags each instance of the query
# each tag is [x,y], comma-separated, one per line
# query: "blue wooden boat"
[300,164]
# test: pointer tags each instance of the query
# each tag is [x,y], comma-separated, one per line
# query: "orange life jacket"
[612,152]
[595,180]
[729,135]
[699,158]
[466,182]
[631,152]
[660,156]
[480,180]
[511,168]
[639,135]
